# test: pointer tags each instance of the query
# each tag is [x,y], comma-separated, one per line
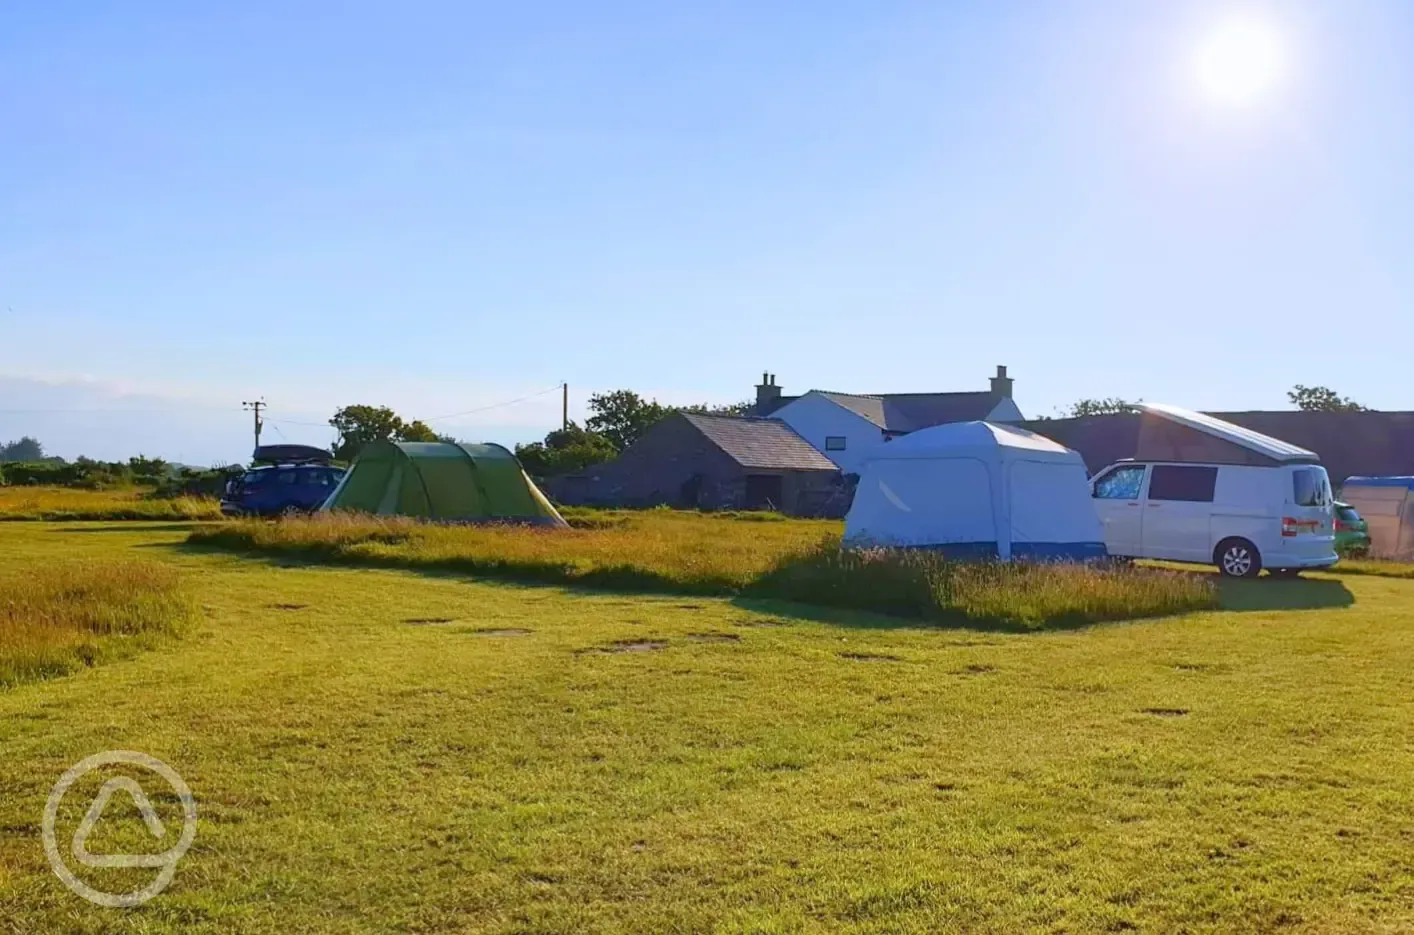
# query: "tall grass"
[57,618]
[1380,567]
[1017,596]
[690,553]
[65,504]
[649,550]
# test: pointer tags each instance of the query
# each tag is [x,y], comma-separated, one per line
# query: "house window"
[834,442]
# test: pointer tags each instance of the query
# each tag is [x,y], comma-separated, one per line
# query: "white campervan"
[1204,490]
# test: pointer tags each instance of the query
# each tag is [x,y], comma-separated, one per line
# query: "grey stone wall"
[656,469]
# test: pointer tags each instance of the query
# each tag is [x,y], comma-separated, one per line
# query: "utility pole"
[565,406]
[255,406]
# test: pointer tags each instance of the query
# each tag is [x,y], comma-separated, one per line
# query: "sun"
[1240,62]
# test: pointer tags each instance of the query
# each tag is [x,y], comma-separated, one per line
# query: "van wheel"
[291,511]
[1237,558]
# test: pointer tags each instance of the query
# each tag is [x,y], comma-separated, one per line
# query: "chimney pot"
[1001,383]
[767,394]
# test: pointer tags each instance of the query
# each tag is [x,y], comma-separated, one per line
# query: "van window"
[1311,486]
[1187,483]
[1121,483]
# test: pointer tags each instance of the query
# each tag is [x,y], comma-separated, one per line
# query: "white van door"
[1178,512]
[1116,494]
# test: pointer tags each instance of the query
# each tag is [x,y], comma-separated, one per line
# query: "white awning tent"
[976,490]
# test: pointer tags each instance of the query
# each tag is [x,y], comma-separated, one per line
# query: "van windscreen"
[1311,486]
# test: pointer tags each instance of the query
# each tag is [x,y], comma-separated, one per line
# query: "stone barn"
[713,463]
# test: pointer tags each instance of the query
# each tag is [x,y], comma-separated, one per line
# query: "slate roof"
[761,443]
[909,412]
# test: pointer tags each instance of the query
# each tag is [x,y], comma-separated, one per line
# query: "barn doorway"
[690,493]
[763,492]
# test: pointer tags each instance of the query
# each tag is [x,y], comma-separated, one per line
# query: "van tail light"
[1290,526]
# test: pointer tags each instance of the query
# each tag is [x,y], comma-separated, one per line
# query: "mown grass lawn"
[383,751]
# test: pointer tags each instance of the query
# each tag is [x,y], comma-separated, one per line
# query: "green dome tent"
[442,481]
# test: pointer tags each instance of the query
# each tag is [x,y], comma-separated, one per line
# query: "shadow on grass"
[186,525]
[869,620]
[1276,594]
[625,579]
[873,592]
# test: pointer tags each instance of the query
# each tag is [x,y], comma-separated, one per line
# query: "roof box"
[291,454]
[1171,433]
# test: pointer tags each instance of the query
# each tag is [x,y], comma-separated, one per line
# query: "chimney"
[767,393]
[1001,384]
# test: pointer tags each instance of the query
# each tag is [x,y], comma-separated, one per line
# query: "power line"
[317,425]
[123,410]
[510,402]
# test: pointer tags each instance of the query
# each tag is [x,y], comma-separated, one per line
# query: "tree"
[419,431]
[1110,405]
[359,425]
[711,409]
[622,416]
[26,448]
[565,451]
[1321,399]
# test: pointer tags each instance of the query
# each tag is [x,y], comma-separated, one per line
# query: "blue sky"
[441,206]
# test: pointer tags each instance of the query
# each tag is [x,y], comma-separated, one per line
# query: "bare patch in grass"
[500,631]
[975,668]
[628,646]
[428,621]
[1165,712]
[1195,667]
[714,637]
[286,606]
[754,624]
[870,657]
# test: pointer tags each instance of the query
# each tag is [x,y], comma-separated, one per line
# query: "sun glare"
[1240,62]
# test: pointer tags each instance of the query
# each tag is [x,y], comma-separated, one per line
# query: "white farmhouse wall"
[815,417]
[1005,411]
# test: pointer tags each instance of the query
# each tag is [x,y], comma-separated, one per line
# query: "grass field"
[65,504]
[381,750]
[731,554]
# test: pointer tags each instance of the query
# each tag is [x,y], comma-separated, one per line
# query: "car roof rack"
[290,454]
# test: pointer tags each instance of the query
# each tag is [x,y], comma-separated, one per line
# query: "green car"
[1352,534]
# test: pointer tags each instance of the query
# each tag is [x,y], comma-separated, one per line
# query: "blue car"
[295,479]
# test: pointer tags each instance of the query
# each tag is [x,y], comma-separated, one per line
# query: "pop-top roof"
[1406,482]
[1265,445]
[954,438]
